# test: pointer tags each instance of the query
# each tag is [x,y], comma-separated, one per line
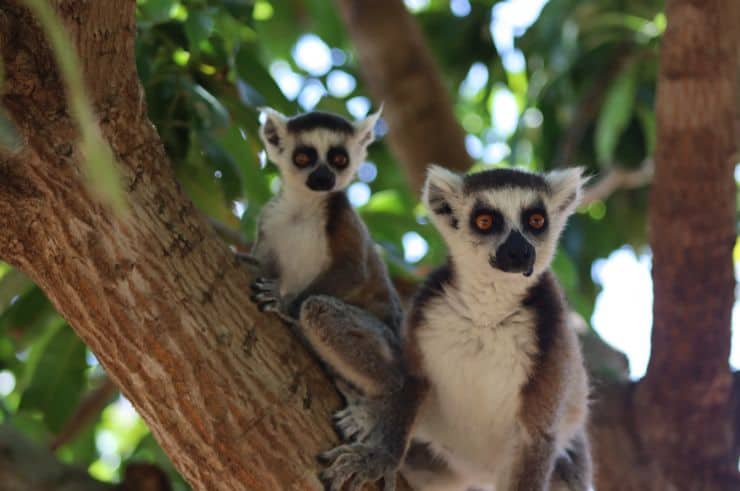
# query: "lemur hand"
[266,294]
[354,465]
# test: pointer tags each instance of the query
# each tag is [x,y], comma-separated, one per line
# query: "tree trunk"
[685,400]
[228,393]
[399,71]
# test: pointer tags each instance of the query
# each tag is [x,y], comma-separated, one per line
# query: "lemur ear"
[567,188]
[365,129]
[441,193]
[273,130]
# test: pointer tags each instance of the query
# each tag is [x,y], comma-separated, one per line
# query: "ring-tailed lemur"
[499,381]
[320,271]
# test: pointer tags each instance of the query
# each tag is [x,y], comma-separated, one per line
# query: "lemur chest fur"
[476,365]
[297,237]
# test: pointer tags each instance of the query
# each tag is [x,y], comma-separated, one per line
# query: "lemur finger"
[264,284]
[329,456]
[355,484]
[389,481]
[264,297]
[341,414]
[338,474]
[267,306]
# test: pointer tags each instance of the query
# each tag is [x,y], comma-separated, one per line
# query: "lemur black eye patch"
[304,156]
[337,157]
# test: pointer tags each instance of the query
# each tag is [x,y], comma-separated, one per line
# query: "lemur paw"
[352,423]
[354,465]
[266,294]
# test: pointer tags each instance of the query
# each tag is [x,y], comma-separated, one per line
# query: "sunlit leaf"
[198,27]
[251,71]
[615,114]
[57,382]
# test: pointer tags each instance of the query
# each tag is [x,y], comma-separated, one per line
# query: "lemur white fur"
[478,346]
[495,393]
[296,218]
[320,271]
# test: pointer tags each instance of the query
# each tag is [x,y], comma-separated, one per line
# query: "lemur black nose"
[321,179]
[515,255]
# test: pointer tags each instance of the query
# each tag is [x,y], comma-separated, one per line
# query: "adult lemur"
[499,382]
[319,271]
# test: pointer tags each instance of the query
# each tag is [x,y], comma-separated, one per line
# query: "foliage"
[585,95]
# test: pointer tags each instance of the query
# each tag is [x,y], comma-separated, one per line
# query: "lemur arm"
[259,260]
[345,274]
[540,416]
[533,465]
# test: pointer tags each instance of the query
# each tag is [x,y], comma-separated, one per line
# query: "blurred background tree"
[534,84]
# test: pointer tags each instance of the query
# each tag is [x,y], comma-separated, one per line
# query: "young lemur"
[498,378]
[320,271]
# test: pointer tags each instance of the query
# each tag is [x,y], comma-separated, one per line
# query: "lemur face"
[316,151]
[507,219]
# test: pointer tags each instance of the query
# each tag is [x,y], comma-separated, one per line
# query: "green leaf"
[155,10]
[198,27]
[251,71]
[615,113]
[58,380]
[647,121]
[386,201]
[244,155]
[13,284]
[30,312]
[209,108]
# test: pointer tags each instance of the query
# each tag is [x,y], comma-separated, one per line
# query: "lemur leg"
[573,471]
[533,465]
[353,343]
[424,471]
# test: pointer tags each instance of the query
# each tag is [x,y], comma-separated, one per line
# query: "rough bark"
[229,394]
[399,70]
[685,400]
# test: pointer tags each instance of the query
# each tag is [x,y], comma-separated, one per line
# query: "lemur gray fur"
[496,392]
[320,271]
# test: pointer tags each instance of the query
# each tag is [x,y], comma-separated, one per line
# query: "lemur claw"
[351,424]
[265,293]
[357,464]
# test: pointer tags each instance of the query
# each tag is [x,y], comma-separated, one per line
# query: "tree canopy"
[534,84]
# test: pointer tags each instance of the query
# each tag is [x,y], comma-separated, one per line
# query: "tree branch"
[88,410]
[230,395]
[617,178]
[399,70]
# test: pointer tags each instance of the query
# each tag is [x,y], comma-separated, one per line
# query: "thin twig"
[618,178]
[86,412]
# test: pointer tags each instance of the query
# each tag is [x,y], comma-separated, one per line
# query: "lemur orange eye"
[339,160]
[536,220]
[484,221]
[302,159]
